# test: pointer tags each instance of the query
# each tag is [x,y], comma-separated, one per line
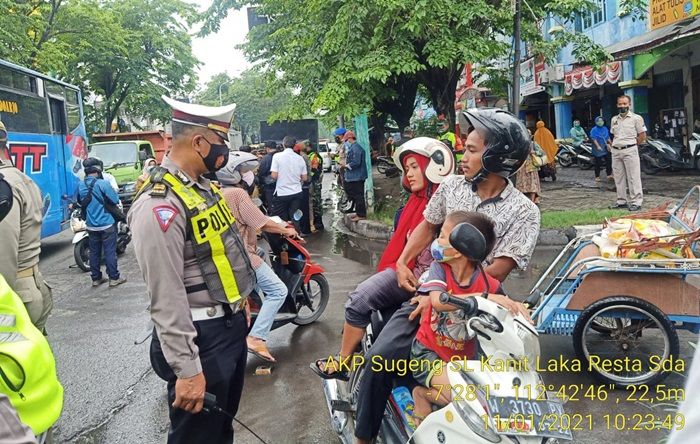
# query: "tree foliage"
[348,56]
[126,52]
[254,101]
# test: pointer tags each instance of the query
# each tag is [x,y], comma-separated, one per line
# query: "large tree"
[348,56]
[127,53]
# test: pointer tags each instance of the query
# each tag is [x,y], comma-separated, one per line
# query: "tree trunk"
[376,136]
[441,83]
[401,100]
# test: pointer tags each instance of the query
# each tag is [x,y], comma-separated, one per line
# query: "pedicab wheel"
[312,300]
[624,341]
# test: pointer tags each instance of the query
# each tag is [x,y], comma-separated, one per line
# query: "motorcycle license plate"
[517,416]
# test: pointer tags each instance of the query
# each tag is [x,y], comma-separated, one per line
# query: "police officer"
[316,174]
[197,273]
[20,240]
[33,407]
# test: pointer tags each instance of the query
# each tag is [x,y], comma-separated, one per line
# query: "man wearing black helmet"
[94,193]
[497,145]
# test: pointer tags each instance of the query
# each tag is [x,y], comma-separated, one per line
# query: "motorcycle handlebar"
[469,305]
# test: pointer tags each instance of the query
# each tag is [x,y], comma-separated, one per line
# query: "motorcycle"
[567,155]
[495,407]
[81,244]
[656,155]
[386,166]
[308,289]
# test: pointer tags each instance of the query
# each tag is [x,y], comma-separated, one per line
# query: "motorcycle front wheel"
[565,159]
[383,166]
[311,300]
[648,167]
[81,254]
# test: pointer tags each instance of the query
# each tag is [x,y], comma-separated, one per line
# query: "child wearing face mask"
[442,334]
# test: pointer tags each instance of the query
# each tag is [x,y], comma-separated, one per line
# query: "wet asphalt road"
[112,396]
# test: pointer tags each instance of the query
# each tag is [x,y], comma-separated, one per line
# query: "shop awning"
[652,39]
[586,76]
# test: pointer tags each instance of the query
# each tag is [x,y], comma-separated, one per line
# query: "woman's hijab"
[545,139]
[411,216]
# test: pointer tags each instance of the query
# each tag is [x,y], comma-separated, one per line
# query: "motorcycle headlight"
[474,420]
[130,187]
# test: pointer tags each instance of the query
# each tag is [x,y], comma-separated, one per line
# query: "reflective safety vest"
[220,252]
[27,366]
[450,136]
[316,164]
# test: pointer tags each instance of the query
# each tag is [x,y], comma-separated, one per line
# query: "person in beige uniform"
[628,132]
[20,240]
[198,276]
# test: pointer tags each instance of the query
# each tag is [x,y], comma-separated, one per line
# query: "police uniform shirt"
[626,129]
[168,263]
[20,231]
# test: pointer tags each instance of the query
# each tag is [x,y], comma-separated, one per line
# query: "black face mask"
[215,151]
[623,109]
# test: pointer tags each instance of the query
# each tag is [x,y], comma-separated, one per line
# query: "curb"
[368,228]
[548,237]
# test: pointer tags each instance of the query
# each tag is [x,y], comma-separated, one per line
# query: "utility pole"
[515,104]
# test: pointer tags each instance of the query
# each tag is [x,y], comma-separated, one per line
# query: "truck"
[45,137]
[304,129]
[124,154]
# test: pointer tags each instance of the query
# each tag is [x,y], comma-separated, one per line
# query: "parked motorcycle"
[497,405]
[656,155]
[81,244]
[386,166]
[308,293]
[582,155]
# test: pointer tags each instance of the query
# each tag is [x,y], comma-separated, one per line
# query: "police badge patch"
[165,215]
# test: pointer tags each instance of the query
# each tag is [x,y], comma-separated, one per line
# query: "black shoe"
[618,206]
[634,208]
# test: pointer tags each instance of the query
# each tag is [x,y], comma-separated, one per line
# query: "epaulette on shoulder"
[158,190]
[157,174]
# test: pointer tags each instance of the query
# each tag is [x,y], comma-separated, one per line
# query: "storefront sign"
[586,77]
[666,12]
[532,76]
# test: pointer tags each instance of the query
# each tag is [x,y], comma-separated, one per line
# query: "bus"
[46,137]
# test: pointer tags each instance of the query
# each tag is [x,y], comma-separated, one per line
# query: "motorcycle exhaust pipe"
[582,157]
[339,419]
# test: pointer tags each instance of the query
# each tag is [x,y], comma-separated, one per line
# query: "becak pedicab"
[623,293]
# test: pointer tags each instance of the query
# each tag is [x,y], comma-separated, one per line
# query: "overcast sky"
[218,52]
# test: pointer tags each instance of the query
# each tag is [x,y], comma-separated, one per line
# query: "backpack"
[85,201]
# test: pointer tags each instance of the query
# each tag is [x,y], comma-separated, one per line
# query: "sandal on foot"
[338,374]
[261,352]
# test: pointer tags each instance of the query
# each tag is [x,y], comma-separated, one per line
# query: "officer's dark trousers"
[286,206]
[223,353]
[394,343]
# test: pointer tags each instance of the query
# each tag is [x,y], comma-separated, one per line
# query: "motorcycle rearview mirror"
[297,215]
[469,241]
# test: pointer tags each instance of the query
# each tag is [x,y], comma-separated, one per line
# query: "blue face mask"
[438,252]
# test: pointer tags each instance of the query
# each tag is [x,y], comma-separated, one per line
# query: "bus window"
[73,112]
[17,80]
[72,96]
[58,116]
[54,88]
